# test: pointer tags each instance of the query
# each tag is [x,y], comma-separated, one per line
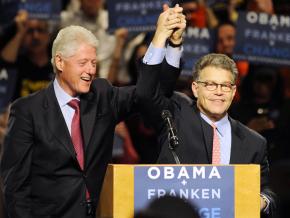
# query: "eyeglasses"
[211,86]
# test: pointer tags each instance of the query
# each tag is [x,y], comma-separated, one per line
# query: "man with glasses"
[207,135]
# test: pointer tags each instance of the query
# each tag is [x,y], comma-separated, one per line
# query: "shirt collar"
[62,97]
[221,125]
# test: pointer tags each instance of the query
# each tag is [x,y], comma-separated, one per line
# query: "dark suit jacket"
[195,135]
[40,172]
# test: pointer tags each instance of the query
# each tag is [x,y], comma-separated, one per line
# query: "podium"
[232,189]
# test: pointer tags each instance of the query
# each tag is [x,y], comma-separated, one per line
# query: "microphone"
[173,139]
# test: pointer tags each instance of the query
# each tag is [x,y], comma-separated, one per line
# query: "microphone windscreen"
[166,114]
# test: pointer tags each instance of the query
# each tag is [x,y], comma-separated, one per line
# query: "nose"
[219,90]
[91,69]
[35,34]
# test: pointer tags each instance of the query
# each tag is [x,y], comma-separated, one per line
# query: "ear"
[58,60]
[234,91]
[194,88]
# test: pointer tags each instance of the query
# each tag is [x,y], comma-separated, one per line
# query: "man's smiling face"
[78,71]
[214,103]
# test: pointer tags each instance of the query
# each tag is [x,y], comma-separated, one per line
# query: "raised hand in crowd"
[21,21]
[10,51]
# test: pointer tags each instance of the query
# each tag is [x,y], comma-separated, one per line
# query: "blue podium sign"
[134,15]
[197,42]
[263,38]
[210,188]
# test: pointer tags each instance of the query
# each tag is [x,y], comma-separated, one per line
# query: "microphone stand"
[172,149]
[172,139]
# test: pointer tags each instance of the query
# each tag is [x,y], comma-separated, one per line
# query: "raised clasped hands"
[170,25]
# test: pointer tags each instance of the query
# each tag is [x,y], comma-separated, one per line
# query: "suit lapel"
[207,134]
[238,150]
[88,116]
[56,122]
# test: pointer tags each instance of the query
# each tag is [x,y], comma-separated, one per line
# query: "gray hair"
[68,41]
[215,60]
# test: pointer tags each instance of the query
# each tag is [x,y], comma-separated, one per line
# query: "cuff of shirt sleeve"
[266,198]
[173,55]
[154,55]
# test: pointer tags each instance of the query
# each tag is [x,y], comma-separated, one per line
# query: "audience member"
[265,6]
[226,38]
[28,52]
[94,17]
[264,108]
[3,125]
[168,207]
[225,44]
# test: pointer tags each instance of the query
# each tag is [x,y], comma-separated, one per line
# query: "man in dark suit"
[55,152]
[59,140]
[207,135]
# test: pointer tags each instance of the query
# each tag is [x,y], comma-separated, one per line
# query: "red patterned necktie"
[216,148]
[76,134]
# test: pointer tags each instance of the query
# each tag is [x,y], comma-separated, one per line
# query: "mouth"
[35,43]
[217,100]
[87,78]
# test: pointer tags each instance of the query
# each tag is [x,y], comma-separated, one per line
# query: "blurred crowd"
[262,101]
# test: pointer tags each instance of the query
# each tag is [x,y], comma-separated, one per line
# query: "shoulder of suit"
[182,98]
[33,97]
[101,87]
[30,103]
[245,131]
[99,84]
